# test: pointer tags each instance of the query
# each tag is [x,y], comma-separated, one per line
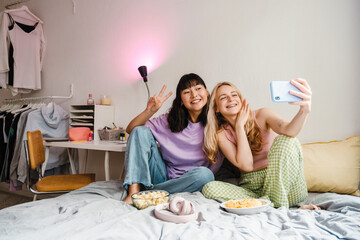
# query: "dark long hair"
[178,117]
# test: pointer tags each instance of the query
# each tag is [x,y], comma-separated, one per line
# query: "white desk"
[107,146]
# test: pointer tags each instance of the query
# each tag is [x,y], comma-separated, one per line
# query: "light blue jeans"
[144,165]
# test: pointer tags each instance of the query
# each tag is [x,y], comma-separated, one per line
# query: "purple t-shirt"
[183,150]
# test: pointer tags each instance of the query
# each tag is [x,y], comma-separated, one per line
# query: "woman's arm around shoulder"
[153,105]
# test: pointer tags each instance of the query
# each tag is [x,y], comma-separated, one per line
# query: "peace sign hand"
[155,102]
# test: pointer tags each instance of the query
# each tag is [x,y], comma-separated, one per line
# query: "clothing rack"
[15,3]
[41,98]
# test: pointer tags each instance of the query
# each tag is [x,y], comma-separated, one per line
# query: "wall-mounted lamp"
[143,73]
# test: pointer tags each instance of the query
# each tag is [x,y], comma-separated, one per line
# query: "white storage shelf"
[93,116]
[75,116]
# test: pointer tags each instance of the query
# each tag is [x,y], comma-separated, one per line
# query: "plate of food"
[144,199]
[246,206]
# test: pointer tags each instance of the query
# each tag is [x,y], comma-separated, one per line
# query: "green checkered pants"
[283,181]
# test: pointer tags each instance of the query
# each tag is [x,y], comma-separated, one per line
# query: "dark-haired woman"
[182,165]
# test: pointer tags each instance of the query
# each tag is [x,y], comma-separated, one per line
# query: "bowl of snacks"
[144,199]
[246,206]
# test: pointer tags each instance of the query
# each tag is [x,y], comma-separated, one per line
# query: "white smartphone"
[280,92]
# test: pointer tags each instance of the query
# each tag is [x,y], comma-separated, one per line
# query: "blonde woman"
[271,165]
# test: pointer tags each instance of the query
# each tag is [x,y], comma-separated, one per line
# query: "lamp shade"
[143,72]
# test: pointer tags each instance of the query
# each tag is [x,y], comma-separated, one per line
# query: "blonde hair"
[215,122]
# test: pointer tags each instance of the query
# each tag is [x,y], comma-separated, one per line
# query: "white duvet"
[97,212]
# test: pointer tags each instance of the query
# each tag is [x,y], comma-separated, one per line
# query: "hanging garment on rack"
[53,122]
[2,139]
[25,61]
[9,149]
[5,171]
[17,148]
[6,118]
[4,46]
[3,80]
[26,29]
[28,44]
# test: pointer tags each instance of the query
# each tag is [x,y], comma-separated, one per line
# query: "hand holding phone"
[280,92]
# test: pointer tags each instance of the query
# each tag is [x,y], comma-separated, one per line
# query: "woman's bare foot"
[133,188]
[310,207]
[128,199]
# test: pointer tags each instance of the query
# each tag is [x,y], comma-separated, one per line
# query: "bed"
[97,212]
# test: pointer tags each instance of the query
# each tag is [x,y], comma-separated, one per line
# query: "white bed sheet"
[97,212]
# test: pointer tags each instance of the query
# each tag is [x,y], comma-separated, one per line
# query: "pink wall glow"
[147,51]
[141,40]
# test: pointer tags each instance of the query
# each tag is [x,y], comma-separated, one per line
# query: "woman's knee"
[284,144]
[204,174]
[210,185]
[211,189]
[285,141]
[201,176]
[140,130]
[141,135]
[285,150]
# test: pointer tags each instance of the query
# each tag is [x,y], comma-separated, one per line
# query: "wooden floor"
[8,199]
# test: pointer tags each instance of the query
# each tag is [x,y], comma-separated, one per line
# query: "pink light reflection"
[146,42]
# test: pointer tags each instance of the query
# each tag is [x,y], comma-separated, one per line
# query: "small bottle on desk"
[91,136]
[90,100]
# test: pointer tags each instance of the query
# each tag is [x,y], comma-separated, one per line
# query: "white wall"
[250,43]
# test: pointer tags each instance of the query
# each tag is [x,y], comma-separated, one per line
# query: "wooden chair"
[53,183]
